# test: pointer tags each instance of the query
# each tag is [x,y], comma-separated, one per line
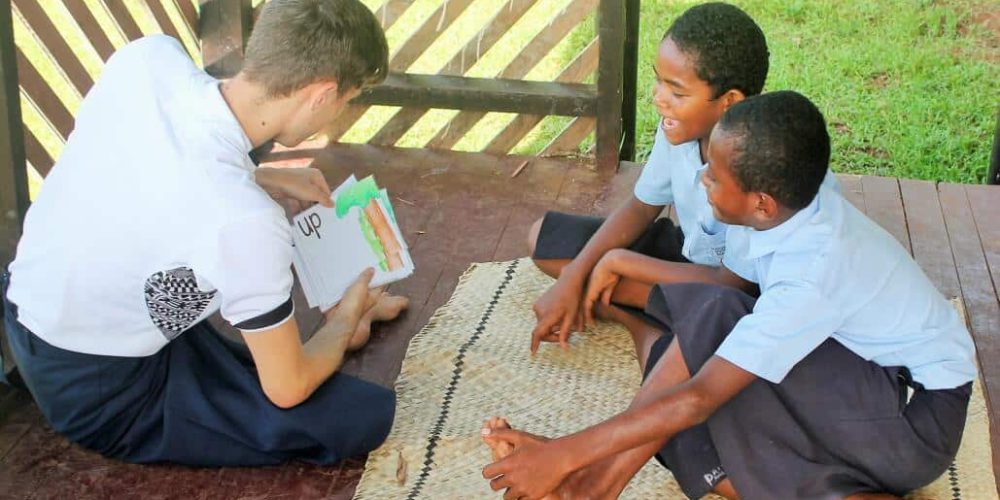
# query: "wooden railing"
[52,50]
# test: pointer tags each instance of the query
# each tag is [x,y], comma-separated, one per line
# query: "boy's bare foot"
[502,448]
[387,308]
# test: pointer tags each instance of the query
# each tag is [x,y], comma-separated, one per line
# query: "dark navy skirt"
[197,401]
[836,425]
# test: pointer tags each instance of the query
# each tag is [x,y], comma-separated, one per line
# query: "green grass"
[908,87]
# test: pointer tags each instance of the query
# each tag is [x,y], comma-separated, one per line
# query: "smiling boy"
[804,389]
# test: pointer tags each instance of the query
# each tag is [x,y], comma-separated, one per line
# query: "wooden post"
[223,27]
[610,83]
[993,176]
[13,173]
[631,75]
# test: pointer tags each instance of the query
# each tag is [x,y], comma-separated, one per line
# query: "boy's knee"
[536,228]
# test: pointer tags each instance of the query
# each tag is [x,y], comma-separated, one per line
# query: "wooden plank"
[885,206]
[630,72]
[435,24]
[36,154]
[495,28]
[980,298]
[568,141]
[929,236]
[851,188]
[396,127]
[572,15]
[91,28]
[391,11]
[123,19]
[223,27]
[610,84]
[580,68]
[482,94]
[13,176]
[985,203]
[189,13]
[56,45]
[41,93]
[163,19]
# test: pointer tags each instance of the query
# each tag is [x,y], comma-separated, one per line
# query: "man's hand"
[533,470]
[558,307]
[296,187]
[601,284]
[357,301]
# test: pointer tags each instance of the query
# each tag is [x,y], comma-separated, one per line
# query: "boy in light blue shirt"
[713,56]
[804,390]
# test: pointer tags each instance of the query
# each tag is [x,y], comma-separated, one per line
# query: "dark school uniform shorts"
[197,401]
[836,425]
[563,236]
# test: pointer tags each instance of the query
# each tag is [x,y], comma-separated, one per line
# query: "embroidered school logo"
[174,300]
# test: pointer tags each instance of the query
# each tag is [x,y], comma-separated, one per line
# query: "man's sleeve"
[788,322]
[253,269]
[653,186]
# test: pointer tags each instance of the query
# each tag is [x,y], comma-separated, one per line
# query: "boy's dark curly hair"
[727,47]
[780,146]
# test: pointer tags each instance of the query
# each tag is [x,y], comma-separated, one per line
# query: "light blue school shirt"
[829,271]
[672,175]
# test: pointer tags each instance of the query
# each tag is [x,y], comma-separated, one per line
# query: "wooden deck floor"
[455,209]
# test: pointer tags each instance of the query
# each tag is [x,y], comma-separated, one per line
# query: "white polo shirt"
[829,271]
[672,175]
[151,220]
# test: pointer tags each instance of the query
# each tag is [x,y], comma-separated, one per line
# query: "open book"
[334,245]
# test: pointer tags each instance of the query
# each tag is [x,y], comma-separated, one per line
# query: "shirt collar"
[767,241]
[226,125]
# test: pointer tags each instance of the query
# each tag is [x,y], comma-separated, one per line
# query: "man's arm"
[289,371]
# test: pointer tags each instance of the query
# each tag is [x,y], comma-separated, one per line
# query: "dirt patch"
[841,128]
[986,16]
[879,80]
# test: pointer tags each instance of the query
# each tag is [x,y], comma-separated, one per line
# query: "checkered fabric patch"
[174,300]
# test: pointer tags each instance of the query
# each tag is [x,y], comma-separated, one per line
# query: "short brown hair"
[296,43]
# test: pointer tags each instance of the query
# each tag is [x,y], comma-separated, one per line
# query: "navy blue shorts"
[836,425]
[563,236]
[197,401]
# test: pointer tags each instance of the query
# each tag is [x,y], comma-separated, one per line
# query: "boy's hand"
[600,286]
[297,187]
[558,307]
[356,302]
[533,470]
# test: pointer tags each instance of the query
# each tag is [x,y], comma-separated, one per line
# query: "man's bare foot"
[387,308]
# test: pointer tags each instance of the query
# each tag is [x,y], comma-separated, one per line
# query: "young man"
[804,390]
[155,217]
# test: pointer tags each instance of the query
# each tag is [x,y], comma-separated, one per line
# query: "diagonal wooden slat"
[885,206]
[427,33]
[495,29]
[391,11]
[927,232]
[572,15]
[162,18]
[581,67]
[405,119]
[396,127]
[123,19]
[91,28]
[388,14]
[56,45]
[36,154]
[189,13]
[571,136]
[45,99]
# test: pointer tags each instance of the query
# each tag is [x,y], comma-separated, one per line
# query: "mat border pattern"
[435,435]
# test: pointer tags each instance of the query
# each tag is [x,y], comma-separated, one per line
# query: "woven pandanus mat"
[471,362]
